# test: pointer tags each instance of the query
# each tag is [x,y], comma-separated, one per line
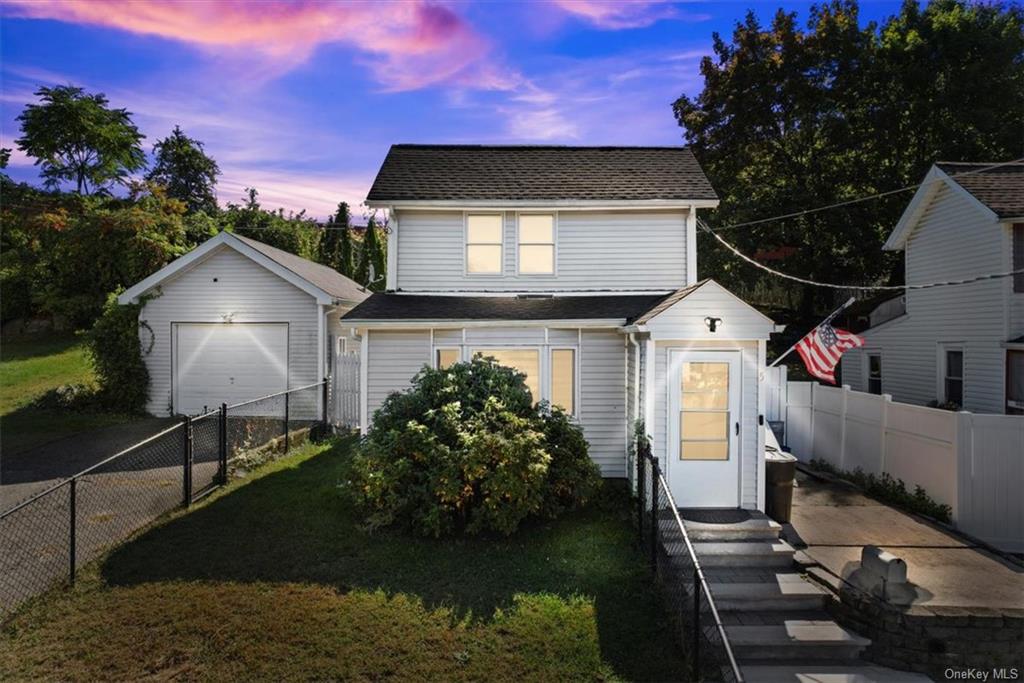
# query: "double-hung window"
[953,376]
[484,244]
[875,373]
[563,379]
[537,244]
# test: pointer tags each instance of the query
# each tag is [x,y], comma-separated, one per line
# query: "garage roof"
[323,283]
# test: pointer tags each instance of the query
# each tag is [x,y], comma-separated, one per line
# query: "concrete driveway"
[836,520]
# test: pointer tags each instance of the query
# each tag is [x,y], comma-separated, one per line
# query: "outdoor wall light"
[228,317]
[712,323]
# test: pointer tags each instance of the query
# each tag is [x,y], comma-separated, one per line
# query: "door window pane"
[526,361]
[704,416]
[563,379]
[446,358]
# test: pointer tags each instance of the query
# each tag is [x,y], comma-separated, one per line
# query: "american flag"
[822,348]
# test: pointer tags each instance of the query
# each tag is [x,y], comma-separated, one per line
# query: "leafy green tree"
[76,137]
[186,171]
[791,119]
[371,269]
[292,232]
[345,252]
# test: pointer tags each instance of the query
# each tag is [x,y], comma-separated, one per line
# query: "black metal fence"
[47,537]
[678,573]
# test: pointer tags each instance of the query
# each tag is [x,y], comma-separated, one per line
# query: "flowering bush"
[466,450]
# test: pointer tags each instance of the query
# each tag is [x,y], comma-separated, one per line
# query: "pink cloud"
[607,14]
[409,45]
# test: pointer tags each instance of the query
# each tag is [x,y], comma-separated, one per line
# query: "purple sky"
[301,100]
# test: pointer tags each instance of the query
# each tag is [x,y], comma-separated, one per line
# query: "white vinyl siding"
[248,293]
[628,250]
[953,240]
[394,357]
[686,319]
[748,409]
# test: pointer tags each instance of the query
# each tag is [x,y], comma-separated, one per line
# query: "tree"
[75,137]
[186,171]
[792,119]
[371,270]
[292,232]
[336,245]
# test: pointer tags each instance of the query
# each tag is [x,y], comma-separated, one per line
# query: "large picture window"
[537,244]
[526,361]
[484,244]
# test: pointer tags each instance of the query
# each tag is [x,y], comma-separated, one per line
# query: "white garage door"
[227,363]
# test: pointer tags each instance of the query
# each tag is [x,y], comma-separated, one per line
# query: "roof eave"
[427,323]
[378,203]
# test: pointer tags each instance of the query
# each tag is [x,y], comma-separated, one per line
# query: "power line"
[804,212]
[833,285]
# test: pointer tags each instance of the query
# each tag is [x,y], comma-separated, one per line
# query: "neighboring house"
[576,265]
[236,319]
[960,344]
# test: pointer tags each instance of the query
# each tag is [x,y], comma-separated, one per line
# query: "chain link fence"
[46,538]
[677,571]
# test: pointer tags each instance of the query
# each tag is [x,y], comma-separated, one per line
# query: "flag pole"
[831,315]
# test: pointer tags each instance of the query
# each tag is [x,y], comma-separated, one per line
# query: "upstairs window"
[1018,257]
[537,244]
[875,373]
[484,244]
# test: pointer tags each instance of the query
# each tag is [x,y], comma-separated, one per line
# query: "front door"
[704,428]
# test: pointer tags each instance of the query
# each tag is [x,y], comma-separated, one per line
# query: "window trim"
[466,244]
[868,354]
[940,376]
[575,375]
[553,243]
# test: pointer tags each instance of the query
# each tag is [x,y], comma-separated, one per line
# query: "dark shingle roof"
[623,307]
[1000,189]
[523,173]
[327,279]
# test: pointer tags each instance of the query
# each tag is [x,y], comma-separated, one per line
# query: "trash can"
[780,469]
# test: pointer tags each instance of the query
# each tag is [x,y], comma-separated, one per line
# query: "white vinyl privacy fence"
[973,463]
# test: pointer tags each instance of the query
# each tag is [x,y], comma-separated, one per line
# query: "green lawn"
[273,579]
[29,368]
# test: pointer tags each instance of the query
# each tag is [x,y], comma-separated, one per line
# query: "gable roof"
[681,295]
[423,307]
[1001,189]
[319,281]
[995,189]
[470,173]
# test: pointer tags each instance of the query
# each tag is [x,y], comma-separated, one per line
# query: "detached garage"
[235,319]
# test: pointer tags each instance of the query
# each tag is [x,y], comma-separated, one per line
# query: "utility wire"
[833,285]
[858,200]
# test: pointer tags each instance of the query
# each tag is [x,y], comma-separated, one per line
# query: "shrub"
[466,450]
[115,350]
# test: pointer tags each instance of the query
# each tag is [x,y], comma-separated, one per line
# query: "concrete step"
[757,528]
[787,593]
[744,554]
[797,640]
[835,673]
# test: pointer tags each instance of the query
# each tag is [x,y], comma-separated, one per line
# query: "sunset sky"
[301,100]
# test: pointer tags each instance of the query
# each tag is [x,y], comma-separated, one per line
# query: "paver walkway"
[835,520]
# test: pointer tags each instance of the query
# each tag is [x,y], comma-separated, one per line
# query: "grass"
[29,367]
[274,579]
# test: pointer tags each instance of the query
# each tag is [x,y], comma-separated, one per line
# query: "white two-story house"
[960,344]
[577,266]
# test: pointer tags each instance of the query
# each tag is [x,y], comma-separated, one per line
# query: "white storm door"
[704,428]
[218,363]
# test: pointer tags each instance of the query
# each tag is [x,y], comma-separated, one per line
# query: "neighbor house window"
[537,244]
[953,376]
[526,361]
[563,379]
[1015,382]
[1018,257]
[445,358]
[875,373]
[483,244]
